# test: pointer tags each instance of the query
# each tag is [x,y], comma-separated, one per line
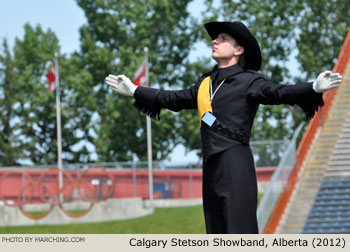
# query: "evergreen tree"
[10,149]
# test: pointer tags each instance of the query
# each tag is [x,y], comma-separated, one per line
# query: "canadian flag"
[141,75]
[51,76]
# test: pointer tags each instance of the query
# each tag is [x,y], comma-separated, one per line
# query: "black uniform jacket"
[234,104]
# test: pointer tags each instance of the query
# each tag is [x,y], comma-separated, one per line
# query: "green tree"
[28,115]
[36,107]
[10,150]
[78,123]
[319,32]
[113,42]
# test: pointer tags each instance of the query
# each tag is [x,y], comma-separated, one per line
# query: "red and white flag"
[141,75]
[51,76]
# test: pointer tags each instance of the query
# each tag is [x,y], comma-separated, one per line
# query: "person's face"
[225,47]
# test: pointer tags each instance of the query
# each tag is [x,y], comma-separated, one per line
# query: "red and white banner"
[51,76]
[141,75]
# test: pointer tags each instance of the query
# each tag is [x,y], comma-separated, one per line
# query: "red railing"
[184,183]
[306,142]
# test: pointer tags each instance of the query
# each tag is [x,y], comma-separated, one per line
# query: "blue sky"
[65,17]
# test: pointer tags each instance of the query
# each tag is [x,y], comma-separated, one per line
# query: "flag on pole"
[141,79]
[141,75]
[54,84]
[51,76]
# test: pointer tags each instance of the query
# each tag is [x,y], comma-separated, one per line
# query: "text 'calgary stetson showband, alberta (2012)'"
[241,242]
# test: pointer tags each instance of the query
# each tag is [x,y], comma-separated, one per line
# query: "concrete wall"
[112,209]
[173,202]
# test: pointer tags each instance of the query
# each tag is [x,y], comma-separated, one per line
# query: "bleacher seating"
[330,212]
[321,200]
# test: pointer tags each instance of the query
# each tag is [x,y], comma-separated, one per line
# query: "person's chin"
[215,56]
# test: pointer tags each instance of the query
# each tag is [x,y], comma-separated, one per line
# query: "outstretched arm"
[306,95]
[150,100]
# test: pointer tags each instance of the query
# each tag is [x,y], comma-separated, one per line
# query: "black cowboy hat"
[243,36]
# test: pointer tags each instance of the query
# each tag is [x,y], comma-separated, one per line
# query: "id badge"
[209,118]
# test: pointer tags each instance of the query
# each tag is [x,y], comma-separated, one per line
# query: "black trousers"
[230,192]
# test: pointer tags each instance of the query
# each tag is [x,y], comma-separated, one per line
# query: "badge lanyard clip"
[211,89]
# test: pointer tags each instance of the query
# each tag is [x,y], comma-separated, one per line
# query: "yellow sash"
[203,98]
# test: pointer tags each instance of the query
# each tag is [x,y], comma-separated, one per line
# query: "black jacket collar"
[218,74]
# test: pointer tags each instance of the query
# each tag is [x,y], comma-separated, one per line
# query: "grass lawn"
[175,220]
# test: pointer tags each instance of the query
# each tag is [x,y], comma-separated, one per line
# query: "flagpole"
[149,142]
[58,119]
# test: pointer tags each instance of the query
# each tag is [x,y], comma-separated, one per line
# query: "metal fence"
[90,183]
[27,188]
[277,182]
[125,182]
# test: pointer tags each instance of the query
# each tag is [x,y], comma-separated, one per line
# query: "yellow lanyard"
[205,97]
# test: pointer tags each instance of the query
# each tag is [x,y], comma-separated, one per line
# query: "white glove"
[326,81]
[121,84]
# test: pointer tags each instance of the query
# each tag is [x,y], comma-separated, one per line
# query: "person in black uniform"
[227,99]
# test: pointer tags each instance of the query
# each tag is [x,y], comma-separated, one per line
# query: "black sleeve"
[145,101]
[261,91]
[150,101]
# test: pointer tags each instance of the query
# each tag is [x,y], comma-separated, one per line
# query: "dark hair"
[241,60]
